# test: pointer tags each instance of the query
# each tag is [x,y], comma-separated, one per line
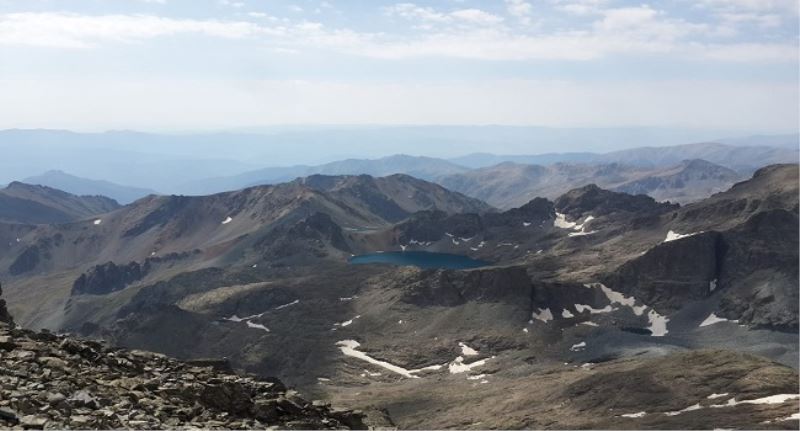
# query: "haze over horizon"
[180,65]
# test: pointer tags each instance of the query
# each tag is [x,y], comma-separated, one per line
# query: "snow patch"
[634,415]
[687,409]
[578,347]
[658,324]
[97,222]
[712,285]
[716,395]
[227,220]
[566,314]
[589,323]
[347,322]
[426,369]
[618,298]
[525,224]
[257,326]
[580,229]
[713,318]
[281,307]
[350,348]
[581,233]
[544,315]
[458,366]
[467,351]
[772,399]
[582,307]
[672,235]
[561,222]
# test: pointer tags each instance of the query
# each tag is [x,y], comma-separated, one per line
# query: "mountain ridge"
[34,204]
[83,186]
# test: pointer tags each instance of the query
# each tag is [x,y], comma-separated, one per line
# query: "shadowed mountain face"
[588,298]
[29,204]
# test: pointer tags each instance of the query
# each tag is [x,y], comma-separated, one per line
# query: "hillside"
[31,204]
[83,186]
[509,185]
[59,382]
[689,181]
[158,236]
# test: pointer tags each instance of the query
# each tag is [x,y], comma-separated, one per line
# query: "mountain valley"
[593,292]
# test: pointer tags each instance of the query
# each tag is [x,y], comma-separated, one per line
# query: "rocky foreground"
[57,382]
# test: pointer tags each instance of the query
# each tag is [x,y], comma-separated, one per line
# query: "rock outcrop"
[58,382]
[5,316]
[109,277]
[592,199]
[673,273]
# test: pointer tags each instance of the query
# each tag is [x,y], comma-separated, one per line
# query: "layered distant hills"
[549,174]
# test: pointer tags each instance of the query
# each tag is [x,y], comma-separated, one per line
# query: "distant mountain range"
[183,163]
[680,173]
[82,186]
[509,185]
[426,168]
[740,157]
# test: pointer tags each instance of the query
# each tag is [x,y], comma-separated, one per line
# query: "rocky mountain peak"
[592,199]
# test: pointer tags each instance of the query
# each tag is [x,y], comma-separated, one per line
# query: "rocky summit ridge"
[50,381]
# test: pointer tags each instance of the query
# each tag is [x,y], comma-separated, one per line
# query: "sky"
[193,65]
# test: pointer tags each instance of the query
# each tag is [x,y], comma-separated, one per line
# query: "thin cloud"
[479,36]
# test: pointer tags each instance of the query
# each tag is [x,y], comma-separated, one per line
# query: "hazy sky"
[215,64]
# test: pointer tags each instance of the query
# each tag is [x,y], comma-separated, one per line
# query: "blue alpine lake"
[420,259]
